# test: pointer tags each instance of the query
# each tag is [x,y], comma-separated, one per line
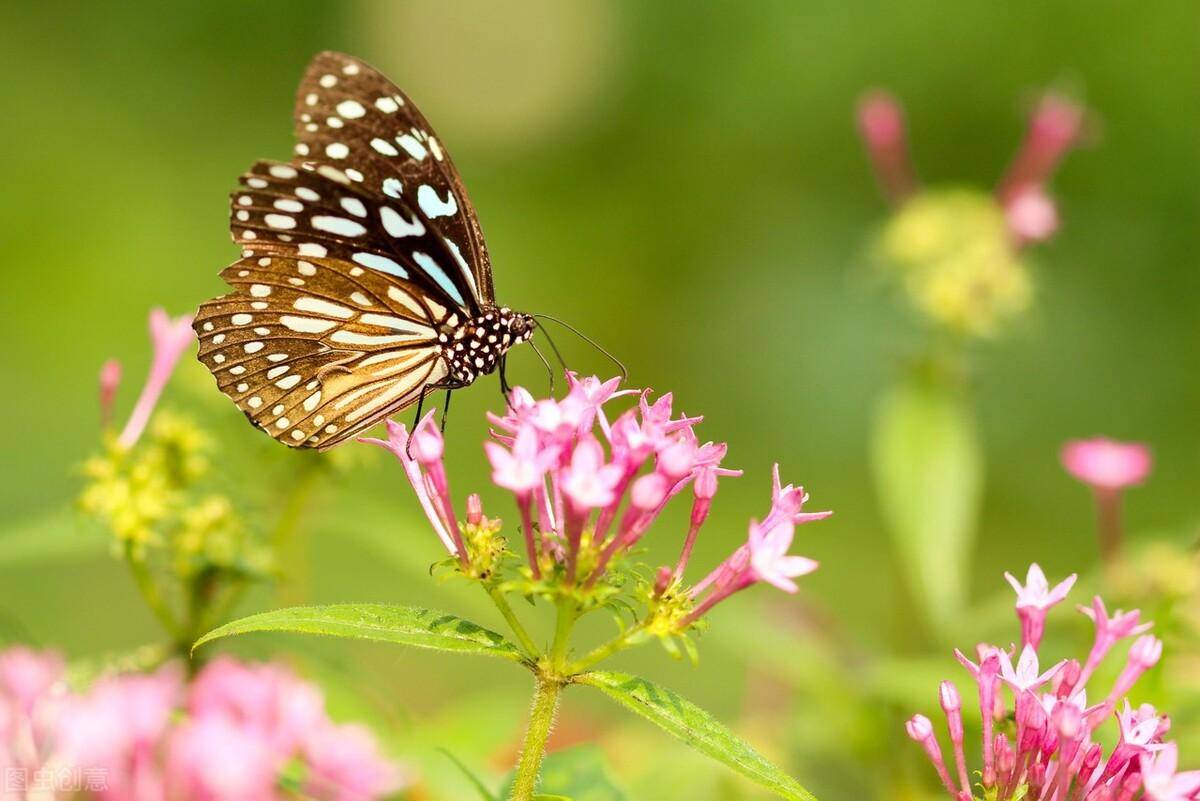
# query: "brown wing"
[349,115]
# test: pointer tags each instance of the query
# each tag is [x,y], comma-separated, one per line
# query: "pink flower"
[215,758]
[1031,214]
[1025,677]
[769,557]
[427,476]
[1108,631]
[881,126]
[110,379]
[28,676]
[170,338]
[344,764]
[1054,128]
[1106,464]
[1053,754]
[1035,599]
[590,482]
[266,699]
[1161,779]
[523,469]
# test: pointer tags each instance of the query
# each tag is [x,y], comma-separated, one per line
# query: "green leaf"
[928,476]
[695,727]
[405,625]
[574,774]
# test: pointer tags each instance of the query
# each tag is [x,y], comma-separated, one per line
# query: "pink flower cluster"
[1049,752]
[1055,126]
[238,732]
[575,473]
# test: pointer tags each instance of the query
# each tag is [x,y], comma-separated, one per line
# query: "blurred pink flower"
[170,336]
[881,126]
[1108,467]
[1162,781]
[1106,464]
[110,379]
[1035,599]
[1055,126]
[1031,214]
[214,758]
[344,764]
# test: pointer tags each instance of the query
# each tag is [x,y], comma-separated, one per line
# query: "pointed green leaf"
[929,475]
[404,625]
[695,727]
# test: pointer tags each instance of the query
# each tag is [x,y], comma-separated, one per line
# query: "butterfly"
[364,281]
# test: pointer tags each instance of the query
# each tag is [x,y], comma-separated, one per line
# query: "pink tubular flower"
[1049,753]
[1035,599]
[344,764]
[235,734]
[170,337]
[1161,779]
[1108,467]
[881,126]
[427,476]
[110,379]
[1106,464]
[584,477]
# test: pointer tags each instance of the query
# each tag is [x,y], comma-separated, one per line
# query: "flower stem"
[288,548]
[568,613]
[602,652]
[1108,523]
[514,623]
[541,719]
[149,591]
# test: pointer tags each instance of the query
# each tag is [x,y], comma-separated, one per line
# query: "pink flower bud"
[648,492]
[474,509]
[662,580]
[1146,651]
[881,126]
[949,697]
[110,379]
[1032,216]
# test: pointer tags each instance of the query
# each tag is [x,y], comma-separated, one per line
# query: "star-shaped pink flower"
[769,559]
[1025,677]
[1162,781]
[1035,599]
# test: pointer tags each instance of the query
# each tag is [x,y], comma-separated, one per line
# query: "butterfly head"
[476,346]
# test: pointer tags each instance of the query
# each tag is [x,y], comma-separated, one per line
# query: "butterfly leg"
[446,410]
[416,420]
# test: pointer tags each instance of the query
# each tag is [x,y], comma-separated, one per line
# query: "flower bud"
[919,728]
[474,509]
[648,492]
[949,697]
[662,580]
[1146,651]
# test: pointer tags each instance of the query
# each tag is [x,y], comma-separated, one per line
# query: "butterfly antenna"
[620,365]
[549,369]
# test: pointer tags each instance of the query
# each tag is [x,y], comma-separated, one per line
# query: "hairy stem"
[568,613]
[541,720]
[514,623]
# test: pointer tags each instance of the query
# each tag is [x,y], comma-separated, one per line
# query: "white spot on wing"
[381,263]
[384,146]
[322,307]
[280,221]
[338,225]
[351,109]
[434,206]
[414,148]
[337,150]
[306,325]
[387,105]
[312,249]
[392,187]
[354,206]
[397,226]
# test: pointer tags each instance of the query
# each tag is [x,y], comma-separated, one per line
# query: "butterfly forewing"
[351,117]
[358,259]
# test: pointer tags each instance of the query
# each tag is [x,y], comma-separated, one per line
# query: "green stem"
[287,546]
[568,613]
[514,623]
[541,719]
[149,590]
[602,652]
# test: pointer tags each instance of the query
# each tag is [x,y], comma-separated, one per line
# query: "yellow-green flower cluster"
[147,497]
[952,253]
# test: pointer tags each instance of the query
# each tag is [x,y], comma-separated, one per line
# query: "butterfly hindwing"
[314,350]
[350,116]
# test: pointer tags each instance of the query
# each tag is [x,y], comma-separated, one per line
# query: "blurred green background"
[681,180]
